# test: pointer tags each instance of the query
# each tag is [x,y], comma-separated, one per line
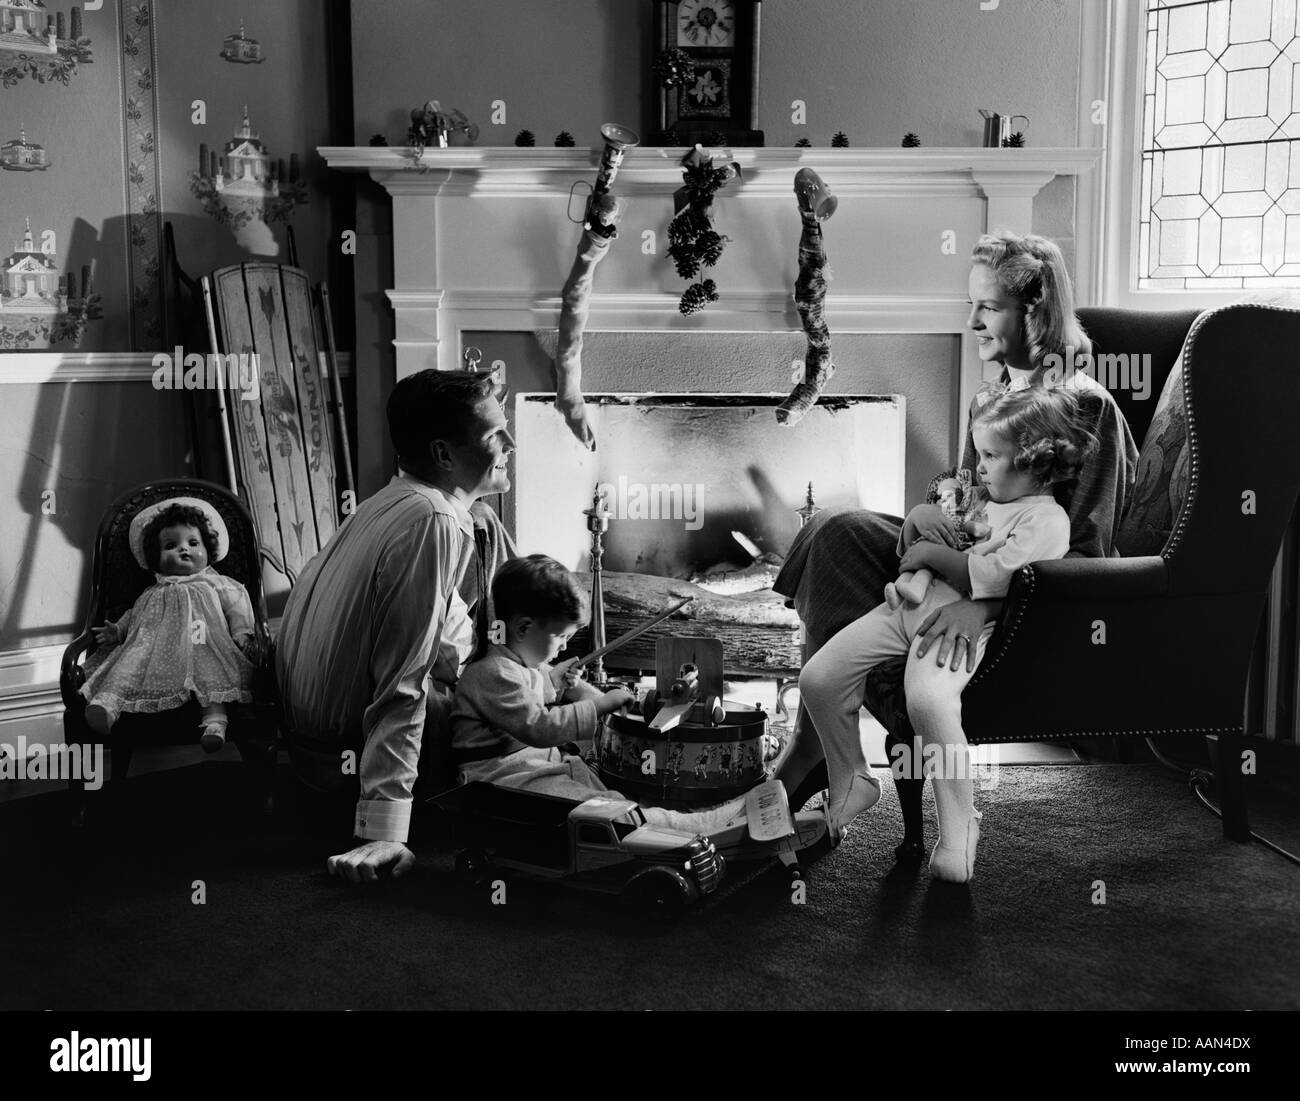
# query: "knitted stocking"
[575,308]
[809,296]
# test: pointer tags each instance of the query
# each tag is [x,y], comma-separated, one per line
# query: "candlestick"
[810,508]
[597,523]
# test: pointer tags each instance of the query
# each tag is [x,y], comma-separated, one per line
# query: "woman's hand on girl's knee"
[957,628]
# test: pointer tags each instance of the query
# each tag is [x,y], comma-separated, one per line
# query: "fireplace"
[482,243]
[680,473]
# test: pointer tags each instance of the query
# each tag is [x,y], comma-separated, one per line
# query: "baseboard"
[30,703]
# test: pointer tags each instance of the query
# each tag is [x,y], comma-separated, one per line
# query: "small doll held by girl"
[963,504]
[515,715]
[1025,442]
[185,636]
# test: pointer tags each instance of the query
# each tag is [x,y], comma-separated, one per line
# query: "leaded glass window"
[1220,199]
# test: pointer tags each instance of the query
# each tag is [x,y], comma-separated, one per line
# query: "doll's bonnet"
[142,518]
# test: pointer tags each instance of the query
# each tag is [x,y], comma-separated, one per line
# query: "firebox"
[694,482]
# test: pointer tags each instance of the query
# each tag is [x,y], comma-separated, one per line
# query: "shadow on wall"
[87,443]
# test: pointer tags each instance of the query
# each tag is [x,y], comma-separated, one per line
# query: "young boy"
[510,723]
[515,714]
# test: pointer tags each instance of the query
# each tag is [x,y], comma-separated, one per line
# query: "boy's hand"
[614,700]
[566,674]
[107,635]
[930,522]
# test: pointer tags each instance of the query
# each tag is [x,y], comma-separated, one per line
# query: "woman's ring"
[965,639]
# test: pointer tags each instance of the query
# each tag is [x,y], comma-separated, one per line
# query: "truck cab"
[600,844]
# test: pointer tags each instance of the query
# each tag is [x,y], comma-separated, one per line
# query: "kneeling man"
[375,630]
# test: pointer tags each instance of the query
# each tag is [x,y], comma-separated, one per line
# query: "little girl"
[184,635]
[1025,441]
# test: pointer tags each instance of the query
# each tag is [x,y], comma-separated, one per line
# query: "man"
[376,631]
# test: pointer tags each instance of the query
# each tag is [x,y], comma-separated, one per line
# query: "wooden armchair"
[1180,626]
[116,581]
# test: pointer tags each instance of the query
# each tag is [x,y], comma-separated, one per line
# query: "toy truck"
[600,844]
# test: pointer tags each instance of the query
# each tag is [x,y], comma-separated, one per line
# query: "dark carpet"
[104,919]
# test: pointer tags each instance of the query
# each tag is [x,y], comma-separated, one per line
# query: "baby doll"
[187,634]
[963,504]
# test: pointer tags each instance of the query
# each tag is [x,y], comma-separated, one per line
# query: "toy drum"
[696,763]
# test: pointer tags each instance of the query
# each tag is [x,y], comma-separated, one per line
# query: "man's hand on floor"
[363,864]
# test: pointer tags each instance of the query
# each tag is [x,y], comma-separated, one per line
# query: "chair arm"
[1092,579]
[71,675]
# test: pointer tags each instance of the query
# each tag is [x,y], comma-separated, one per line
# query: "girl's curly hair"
[1050,428]
[169,517]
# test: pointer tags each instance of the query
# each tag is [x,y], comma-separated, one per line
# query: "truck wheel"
[473,866]
[657,895]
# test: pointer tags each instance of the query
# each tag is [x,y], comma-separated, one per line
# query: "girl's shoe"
[214,737]
[863,794]
[957,865]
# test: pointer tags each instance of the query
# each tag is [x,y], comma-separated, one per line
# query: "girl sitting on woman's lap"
[1026,441]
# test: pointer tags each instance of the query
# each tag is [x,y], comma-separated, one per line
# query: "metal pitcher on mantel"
[997,128]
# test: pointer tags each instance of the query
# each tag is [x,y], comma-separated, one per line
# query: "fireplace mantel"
[483,241]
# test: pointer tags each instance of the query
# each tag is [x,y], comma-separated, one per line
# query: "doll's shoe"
[863,794]
[814,195]
[910,591]
[100,719]
[957,865]
[214,737]
[892,597]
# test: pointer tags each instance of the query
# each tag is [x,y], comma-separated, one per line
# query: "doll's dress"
[163,660]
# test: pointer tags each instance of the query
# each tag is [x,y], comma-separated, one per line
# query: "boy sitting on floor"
[510,726]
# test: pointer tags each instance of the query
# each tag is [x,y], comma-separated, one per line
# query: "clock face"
[706,23]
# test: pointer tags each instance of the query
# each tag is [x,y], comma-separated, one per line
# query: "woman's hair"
[433,405]
[1048,427]
[539,587]
[171,516]
[1032,269]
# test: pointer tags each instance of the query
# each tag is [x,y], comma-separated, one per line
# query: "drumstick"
[635,632]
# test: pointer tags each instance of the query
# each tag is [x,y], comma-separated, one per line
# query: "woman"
[1022,316]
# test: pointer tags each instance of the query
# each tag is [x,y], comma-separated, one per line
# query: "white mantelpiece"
[482,241]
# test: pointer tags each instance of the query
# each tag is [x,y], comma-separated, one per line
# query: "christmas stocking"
[575,308]
[816,204]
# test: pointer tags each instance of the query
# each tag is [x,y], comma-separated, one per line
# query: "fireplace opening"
[703,488]
[698,483]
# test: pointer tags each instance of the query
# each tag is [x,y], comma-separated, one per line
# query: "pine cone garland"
[910,140]
[697,296]
[803,143]
[840,140]
[564,140]
[525,138]
[378,140]
[1015,141]
[710,245]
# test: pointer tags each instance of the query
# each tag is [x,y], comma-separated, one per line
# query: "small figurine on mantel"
[431,125]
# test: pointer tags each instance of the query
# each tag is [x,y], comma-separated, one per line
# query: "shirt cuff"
[383,819]
[988,581]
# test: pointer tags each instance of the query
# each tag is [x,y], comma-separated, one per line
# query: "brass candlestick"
[597,523]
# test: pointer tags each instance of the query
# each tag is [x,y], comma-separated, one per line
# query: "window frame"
[1115,196]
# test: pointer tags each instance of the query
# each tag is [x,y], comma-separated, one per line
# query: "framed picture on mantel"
[716,96]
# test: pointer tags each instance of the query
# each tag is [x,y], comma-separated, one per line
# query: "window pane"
[1220,196]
